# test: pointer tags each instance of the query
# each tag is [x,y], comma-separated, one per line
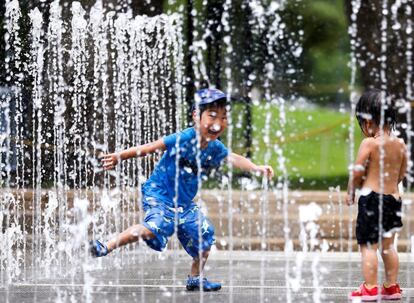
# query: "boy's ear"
[369,125]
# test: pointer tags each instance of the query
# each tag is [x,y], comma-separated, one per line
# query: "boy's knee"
[206,253]
[204,256]
[387,250]
[140,231]
[146,233]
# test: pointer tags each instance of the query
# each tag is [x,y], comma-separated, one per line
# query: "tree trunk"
[189,71]
[373,45]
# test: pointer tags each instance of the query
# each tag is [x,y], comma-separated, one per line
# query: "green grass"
[316,144]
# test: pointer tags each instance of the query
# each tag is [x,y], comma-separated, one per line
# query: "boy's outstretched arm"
[110,160]
[247,165]
[359,169]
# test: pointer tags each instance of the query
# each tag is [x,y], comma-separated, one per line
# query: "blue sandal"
[193,283]
[97,248]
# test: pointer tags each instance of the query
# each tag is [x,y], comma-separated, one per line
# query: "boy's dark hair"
[369,108]
[220,103]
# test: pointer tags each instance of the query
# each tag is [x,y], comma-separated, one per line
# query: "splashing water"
[102,80]
[69,131]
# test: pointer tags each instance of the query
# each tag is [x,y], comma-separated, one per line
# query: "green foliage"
[316,143]
[326,50]
[323,67]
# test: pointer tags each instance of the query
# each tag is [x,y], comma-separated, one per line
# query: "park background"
[315,81]
[78,79]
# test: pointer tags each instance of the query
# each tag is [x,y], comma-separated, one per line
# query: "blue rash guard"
[161,184]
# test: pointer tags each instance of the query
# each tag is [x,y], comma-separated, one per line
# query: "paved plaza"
[144,276]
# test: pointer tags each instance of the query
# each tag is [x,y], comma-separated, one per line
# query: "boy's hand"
[265,170]
[350,198]
[110,160]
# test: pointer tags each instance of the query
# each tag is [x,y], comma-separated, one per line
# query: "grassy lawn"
[316,144]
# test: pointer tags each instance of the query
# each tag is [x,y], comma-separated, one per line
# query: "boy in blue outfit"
[159,191]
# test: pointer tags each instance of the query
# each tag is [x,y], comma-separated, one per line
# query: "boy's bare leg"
[195,266]
[130,235]
[370,264]
[391,262]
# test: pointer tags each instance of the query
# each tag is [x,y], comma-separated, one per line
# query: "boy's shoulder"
[401,141]
[186,131]
[217,144]
[398,141]
[183,135]
[402,145]
[375,143]
[368,142]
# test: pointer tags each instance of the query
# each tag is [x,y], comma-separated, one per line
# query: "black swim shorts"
[367,225]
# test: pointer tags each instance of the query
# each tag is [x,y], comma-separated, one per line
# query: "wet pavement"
[145,276]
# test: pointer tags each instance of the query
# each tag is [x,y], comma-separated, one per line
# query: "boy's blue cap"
[208,95]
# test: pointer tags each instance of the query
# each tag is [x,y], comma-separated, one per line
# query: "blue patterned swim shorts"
[159,219]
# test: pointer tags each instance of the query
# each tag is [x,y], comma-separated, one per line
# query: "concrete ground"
[145,276]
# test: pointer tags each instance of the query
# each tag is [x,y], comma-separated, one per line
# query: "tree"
[383,44]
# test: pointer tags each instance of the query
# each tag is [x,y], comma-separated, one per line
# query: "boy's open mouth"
[212,132]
